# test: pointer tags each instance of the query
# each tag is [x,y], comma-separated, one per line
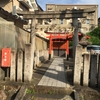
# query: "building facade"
[86,24]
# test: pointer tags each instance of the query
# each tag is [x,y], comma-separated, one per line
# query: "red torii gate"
[60,40]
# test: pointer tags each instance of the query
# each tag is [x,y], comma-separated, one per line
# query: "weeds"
[29,91]
[50,92]
[82,97]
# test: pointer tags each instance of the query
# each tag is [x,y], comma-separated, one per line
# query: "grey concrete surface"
[55,75]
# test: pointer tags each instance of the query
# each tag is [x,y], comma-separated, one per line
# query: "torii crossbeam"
[74,14]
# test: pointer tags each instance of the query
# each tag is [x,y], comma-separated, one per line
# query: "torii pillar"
[75,35]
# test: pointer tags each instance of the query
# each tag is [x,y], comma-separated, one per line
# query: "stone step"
[54,90]
[52,97]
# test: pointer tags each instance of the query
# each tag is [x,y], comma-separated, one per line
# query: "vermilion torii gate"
[60,41]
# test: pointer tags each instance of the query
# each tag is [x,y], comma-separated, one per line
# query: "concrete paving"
[55,75]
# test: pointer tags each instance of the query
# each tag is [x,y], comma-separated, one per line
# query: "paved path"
[55,75]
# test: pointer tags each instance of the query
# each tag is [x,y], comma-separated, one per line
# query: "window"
[87,21]
[61,21]
[49,9]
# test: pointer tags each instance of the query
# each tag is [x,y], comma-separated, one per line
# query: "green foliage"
[33,91]
[50,92]
[32,97]
[82,97]
[29,91]
[95,36]
[70,43]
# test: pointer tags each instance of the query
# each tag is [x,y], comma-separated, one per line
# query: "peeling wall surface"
[40,44]
[12,36]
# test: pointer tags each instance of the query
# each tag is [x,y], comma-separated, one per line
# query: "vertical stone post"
[2,73]
[75,35]
[19,65]
[99,72]
[13,66]
[28,63]
[32,40]
[86,68]
[93,70]
[77,65]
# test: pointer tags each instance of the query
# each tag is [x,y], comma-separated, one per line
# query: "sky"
[43,3]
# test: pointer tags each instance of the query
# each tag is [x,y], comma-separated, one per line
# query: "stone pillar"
[86,69]
[13,66]
[2,73]
[77,65]
[99,73]
[32,40]
[19,65]
[28,63]
[75,35]
[93,70]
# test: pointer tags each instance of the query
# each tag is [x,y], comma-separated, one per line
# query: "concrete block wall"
[40,57]
[41,52]
[12,36]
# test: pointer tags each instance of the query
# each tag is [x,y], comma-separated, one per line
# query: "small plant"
[82,97]
[33,91]
[50,92]
[28,91]
[32,97]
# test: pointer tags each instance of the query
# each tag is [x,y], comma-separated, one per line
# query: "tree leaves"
[95,36]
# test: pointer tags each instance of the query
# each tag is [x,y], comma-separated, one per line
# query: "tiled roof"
[10,17]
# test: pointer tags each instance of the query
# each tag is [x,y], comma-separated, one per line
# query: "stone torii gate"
[74,14]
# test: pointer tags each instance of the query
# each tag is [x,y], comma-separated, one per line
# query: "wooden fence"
[21,69]
[86,68]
